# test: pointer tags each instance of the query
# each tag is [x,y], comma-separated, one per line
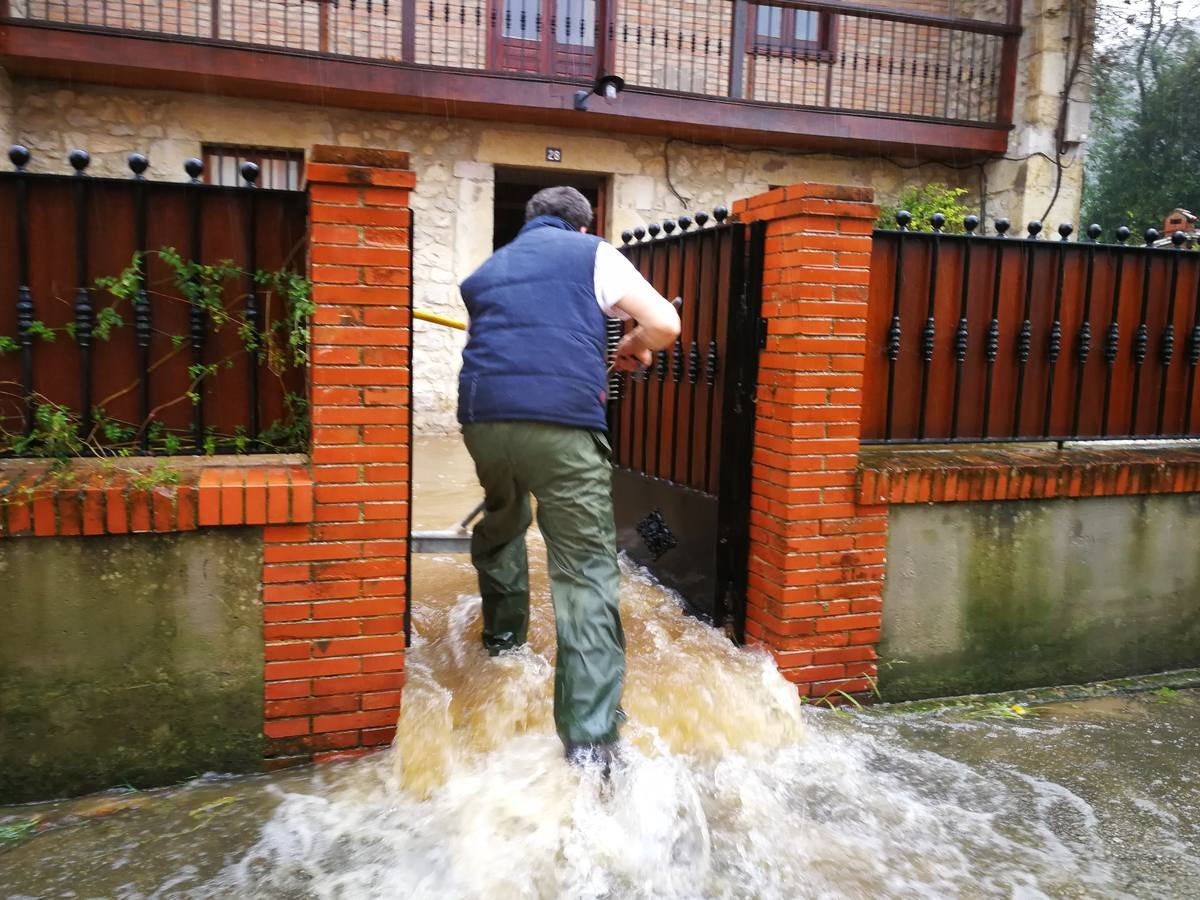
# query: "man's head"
[565,202]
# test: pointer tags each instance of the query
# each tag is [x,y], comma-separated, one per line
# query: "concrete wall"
[128,659]
[990,596]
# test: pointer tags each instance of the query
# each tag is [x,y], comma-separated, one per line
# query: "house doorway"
[514,187]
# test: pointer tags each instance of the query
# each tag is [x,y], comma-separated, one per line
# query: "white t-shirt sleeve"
[616,277]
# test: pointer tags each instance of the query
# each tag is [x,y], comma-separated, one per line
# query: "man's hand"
[657,320]
[630,354]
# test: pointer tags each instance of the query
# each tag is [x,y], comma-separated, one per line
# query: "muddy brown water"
[732,787]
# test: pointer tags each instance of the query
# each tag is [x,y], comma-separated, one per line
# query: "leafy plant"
[297,297]
[55,434]
[38,329]
[279,339]
[1002,709]
[922,201]
[162,475]
[106,320]
[1142,155]
[292,429]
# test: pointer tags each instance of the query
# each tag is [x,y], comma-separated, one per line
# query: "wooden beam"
[737,48]
[156,64]
[605,55]
[408,31]
[1009,55]
[1014,12]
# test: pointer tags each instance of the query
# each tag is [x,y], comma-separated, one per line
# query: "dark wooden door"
[545,37]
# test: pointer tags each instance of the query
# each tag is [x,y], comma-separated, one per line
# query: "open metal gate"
[682,431]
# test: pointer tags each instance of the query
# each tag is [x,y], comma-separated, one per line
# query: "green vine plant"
[280,345]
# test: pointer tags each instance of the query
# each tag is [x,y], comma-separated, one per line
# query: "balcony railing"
[891,58]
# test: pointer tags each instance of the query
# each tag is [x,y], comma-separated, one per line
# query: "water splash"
[730,788]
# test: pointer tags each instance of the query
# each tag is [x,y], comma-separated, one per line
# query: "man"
[532,403]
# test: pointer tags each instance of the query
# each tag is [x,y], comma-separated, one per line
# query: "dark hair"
[564,202]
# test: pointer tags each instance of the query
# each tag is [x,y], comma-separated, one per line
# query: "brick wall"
[820,501]
[335,532]
[334,591]
[816,553]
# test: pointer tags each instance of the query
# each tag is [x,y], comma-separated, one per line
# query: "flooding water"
[732,788]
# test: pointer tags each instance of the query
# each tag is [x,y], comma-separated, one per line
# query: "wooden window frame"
[543,56]
[213,153]
[821,49]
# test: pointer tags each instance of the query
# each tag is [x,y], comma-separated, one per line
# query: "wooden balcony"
[819,75]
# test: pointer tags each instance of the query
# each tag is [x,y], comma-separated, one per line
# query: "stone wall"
[129,659]
[454,162]
[1022,186]
[6,108]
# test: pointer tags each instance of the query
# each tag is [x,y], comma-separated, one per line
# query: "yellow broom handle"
[439,320]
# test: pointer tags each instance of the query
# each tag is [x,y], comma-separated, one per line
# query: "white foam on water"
[729,789]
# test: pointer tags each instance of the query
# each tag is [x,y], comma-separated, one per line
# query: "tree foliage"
[1144,155]
[922,201]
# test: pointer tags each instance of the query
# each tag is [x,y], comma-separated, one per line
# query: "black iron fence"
[150,317]
[997,338]
[882,58]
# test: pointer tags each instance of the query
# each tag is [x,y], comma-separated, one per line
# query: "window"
[278,169]
[776,28]
[575,22]
[546,37]
[523,20]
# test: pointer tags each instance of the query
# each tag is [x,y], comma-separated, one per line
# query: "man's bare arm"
[657,327]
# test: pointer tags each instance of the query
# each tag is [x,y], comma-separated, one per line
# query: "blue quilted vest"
[536,350]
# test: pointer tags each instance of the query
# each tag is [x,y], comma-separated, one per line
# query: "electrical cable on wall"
[1064,108]
[667,171]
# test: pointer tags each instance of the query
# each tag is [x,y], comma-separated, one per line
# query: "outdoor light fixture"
[606,86]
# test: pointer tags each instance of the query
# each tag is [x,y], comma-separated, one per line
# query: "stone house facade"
[463,161]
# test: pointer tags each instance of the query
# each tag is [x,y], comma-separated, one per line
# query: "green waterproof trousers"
[569,471]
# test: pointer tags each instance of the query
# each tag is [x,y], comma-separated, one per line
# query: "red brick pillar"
[334,592]
[816,556]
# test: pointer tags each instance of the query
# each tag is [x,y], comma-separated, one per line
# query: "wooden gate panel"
[682,428]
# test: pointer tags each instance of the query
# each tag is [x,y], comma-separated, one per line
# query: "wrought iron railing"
[1024,339]
[883,58]
[150,316]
